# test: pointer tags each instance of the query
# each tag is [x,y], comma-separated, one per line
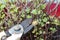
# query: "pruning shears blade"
[26,25]
[26,22]
[28,29]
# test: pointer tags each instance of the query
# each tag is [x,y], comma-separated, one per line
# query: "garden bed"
[12,13]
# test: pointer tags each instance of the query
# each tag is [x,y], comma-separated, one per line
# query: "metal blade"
[28,29]
[26,22]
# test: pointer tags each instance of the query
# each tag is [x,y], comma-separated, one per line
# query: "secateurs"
[18,30]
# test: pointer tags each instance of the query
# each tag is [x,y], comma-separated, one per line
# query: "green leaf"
[42,24]
[41,39]
[6,0]
[35,29]
[15,18]
[13,6]
[2,6]
[45,20]
[11,11]
[9,22]
[34,12]
[23,15]
[37,33]
[29,16]
[39,11]
[40,20]
[44,14]
[53,29]
[43,6]
[28,10]
[56,21]
[3,16]
[40,32]
[1,22]
[16,9]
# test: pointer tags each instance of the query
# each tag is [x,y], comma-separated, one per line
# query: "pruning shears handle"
[2,34]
